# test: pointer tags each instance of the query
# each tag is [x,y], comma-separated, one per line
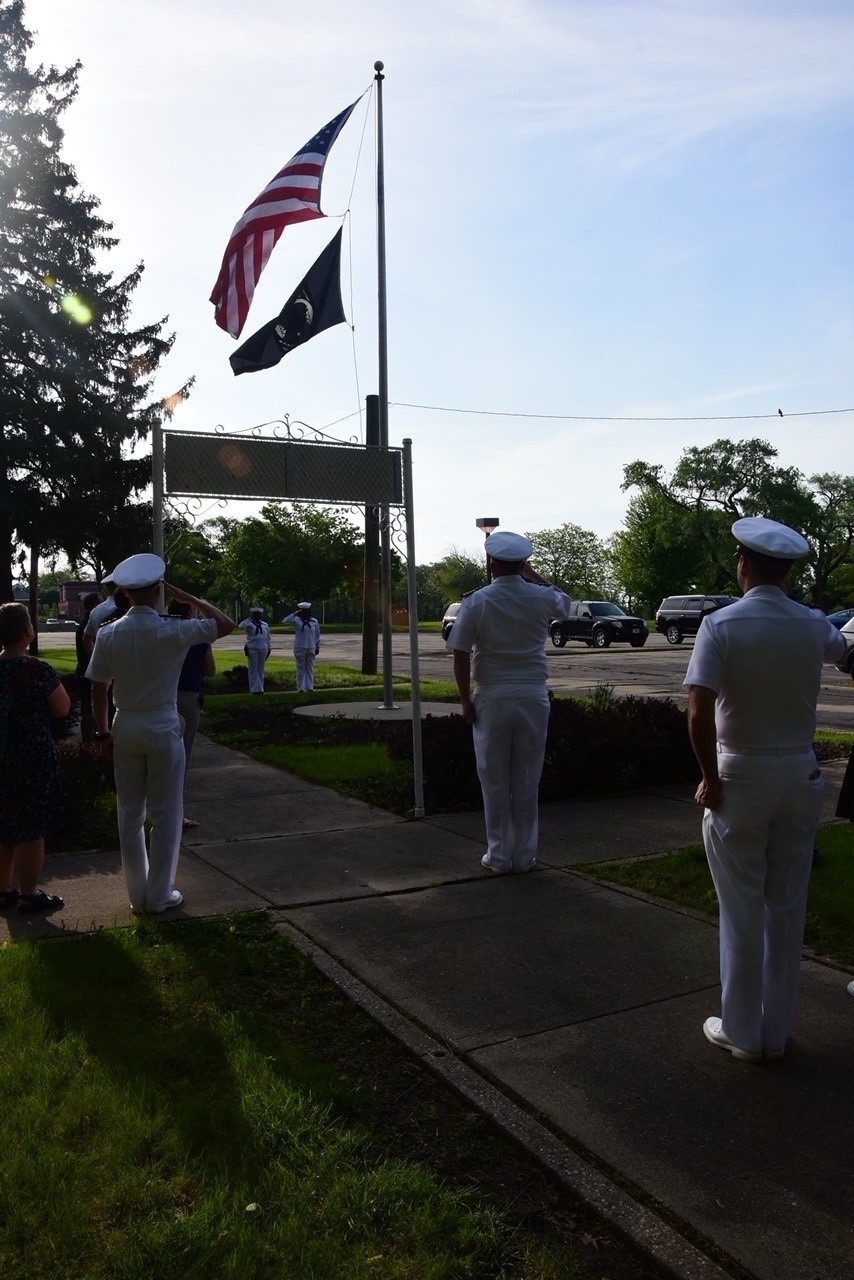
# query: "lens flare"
[75,307]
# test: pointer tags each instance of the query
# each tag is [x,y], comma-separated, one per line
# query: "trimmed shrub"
[628,744]
[64,726]
[592,749]
[89,807]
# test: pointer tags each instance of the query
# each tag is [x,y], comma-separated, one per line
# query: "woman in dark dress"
[30,783]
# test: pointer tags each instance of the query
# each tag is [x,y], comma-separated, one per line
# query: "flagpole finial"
[379,67]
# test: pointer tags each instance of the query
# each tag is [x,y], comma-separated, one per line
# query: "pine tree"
[76,380]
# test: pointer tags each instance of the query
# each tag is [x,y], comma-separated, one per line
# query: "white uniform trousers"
[759,843]
[304,659]
[511,722]
[257,660]
[148,761]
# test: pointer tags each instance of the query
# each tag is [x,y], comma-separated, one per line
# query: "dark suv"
[598,622]
[680,616]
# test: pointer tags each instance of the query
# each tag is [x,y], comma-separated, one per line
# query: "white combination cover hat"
[304,604]
[770,538]
[141,570]
[512,547]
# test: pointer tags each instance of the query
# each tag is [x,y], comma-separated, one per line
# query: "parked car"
[449,618]
[680,616]
[840,617]
[847,664]
[598,622]
[62,624]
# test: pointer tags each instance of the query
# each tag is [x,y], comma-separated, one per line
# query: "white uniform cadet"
[753,681]
[142,654]
[258,645]
[99,616]
[306,643]
[506,624]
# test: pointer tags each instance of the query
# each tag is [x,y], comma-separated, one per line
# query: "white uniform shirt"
[255,638]
[506,624]
[99,614]
[142,653]
[762,656]
[307,633]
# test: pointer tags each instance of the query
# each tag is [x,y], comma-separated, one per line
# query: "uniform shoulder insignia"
[473,591]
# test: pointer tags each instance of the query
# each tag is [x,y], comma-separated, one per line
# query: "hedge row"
[622,745]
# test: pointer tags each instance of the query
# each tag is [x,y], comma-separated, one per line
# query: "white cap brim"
[139,571]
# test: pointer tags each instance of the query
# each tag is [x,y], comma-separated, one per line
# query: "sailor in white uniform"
[753,682]
[99,614]
[306,643]
[257,647]
[142,654]
[506,624]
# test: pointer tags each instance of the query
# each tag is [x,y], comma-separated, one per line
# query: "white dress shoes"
[713,1032]
[850,988]
[175,900]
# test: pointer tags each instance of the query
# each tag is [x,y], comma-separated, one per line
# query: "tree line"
[675,539]
[77,407]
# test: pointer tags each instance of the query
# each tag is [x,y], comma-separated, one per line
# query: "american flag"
[292,196]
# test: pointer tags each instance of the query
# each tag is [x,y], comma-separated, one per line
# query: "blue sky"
[594,210]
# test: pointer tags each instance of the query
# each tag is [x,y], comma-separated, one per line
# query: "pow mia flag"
[314,305]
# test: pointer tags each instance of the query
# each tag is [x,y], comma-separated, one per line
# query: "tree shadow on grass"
[169,1059]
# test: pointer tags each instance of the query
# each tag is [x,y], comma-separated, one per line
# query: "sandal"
[8,898]
[40,901]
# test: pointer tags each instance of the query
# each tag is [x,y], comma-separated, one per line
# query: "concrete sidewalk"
[570,1011]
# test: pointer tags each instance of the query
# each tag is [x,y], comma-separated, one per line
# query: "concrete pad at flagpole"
[370,711]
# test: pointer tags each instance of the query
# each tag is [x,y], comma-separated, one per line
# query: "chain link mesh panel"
[221,466]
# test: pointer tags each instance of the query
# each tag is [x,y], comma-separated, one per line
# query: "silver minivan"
[450,618]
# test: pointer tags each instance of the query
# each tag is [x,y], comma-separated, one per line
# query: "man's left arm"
[101,714]
[704,741]
[462,675]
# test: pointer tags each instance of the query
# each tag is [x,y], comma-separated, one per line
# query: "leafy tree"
[714,485]
[292,552]
[656,553]
[75,383]
[572,558]
[830,529]
[192,560]
[710,487]
[446,580]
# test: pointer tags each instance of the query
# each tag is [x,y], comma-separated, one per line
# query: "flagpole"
[382,350]
[157,494]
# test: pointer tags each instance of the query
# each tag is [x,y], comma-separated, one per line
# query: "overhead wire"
[592,417]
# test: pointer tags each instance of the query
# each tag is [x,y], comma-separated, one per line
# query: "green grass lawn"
[175,1106]
[684,877]
[361,768]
